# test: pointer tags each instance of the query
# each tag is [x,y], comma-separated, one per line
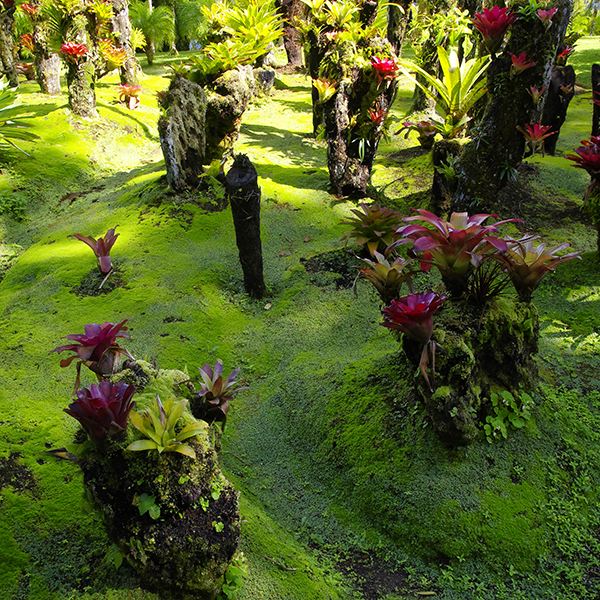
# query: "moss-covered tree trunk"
[317,48]
[289,10]
[596,95]
[397,14]
[81,83]
[352,133]
[497,146]
[7,52]
[559,95]
[131,70]
[47,64]
[478,353]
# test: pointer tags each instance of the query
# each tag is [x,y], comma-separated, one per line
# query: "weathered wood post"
[241,184]
[596,96]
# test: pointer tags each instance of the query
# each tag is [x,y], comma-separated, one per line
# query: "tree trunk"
[242,188]
[596,96]
[318,47]
[368,12]
[498,146]
[444,185]
[131,70]
[47,69]
[290,9]
[398,15]
[150,52]
[7,18]
[560,93]
[82,95]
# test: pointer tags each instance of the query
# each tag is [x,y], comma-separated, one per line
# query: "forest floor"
[346,491]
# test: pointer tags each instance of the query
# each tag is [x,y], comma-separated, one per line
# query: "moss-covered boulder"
[478,352]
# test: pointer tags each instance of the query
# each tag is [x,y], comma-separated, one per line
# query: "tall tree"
[155,23]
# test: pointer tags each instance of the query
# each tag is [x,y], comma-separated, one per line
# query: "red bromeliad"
[519,63]
[73,51]
[587,157]
[385,68]
[546,16]
[130,95]
[30,10]
[413,316]
[103,409]
[492,24]
[378,116]
[455,247]
[561,59]
[535,135]
[27,41]
[535,93]
[101,247]
[96,348]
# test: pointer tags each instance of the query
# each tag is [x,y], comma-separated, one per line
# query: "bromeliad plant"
[527,265]
[130,96]
[374,228]
[97,349]
[387,278]
[425,130]
[159,424]
[454,95]
[102,410]
[535,135]
[413,316]
[455,247]
[101,247]
[216,392]
[493,24]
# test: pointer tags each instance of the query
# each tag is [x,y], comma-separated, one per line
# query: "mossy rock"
[478,352]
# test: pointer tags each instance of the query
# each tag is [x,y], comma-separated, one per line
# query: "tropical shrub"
[388,278]
[156,24]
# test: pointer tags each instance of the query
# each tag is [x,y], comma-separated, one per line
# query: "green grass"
[333,459]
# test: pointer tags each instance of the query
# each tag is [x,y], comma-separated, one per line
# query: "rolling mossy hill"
[346,491]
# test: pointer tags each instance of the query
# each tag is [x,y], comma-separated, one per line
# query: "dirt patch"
[15,475]
[338,266]
[90,285]
[375,578]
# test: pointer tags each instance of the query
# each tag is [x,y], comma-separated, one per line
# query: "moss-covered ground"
[346,492]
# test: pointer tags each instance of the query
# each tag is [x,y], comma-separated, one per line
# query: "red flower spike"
[546,16]
[519,63]
[377,116]
[492,24]
[103,409]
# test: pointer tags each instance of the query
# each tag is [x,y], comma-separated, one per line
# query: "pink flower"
[546,16]
[492,25]
[519,63]
[130,94]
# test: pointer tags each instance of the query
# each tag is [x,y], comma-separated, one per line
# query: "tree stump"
[560,92]
[242,188]
[182,133]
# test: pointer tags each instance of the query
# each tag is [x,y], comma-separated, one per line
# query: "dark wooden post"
[596,96]
[242,188]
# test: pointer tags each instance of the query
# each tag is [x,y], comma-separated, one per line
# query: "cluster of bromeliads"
[103,410]
[475,264]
